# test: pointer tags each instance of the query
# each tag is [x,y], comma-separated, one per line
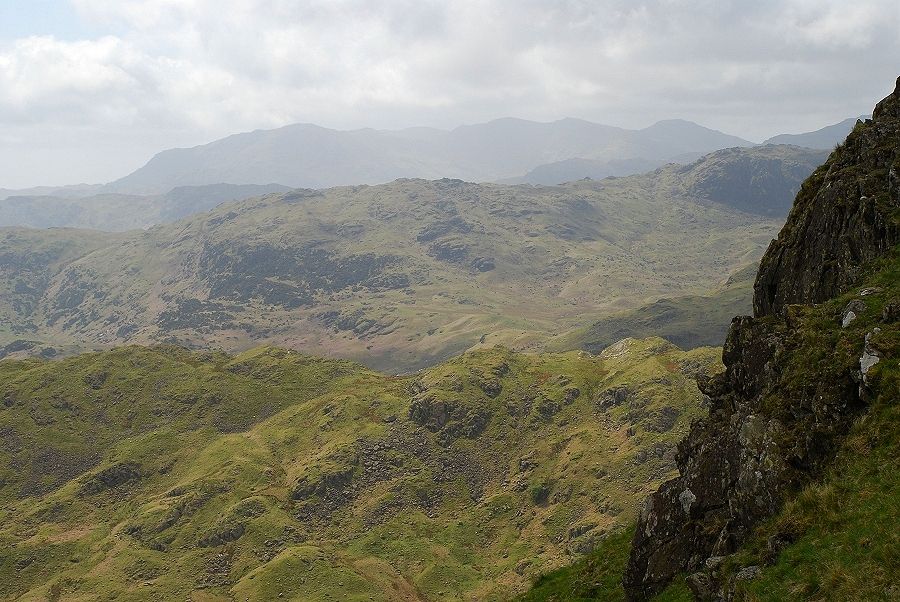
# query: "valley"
[278,345]
[403,275]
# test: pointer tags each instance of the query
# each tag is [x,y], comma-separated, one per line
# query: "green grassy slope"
[29,261]
[689,322]
[158,473]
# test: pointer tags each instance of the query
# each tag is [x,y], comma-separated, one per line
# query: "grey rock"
[852,311]
[714,562]
[870,356]
[746,456]
[748,573]
[700,585]
[891,312]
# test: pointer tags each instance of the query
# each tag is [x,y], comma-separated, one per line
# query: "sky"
[91,89]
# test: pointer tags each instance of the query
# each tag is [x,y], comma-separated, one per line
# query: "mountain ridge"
[825,138]
[312,156]
[112,212]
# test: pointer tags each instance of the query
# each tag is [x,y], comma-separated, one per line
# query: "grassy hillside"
[158,473]
[689,322]
[29,261]
[406,274]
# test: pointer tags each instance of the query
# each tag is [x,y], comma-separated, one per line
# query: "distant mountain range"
[826,138]
[504,150]
[310,156]
[181,182]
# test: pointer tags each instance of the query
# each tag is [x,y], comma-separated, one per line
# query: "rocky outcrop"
[841,218]
[775,418]
[110,478]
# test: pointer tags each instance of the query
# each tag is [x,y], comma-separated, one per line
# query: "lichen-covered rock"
[852,311]
[451,418]
[870,356]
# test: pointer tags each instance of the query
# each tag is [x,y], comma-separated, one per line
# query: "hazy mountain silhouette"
[315,157]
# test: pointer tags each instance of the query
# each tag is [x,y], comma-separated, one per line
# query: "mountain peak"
[675,123]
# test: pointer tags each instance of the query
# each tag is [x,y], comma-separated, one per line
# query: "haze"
[91,89]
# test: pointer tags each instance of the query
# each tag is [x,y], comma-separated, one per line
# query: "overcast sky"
[90,89]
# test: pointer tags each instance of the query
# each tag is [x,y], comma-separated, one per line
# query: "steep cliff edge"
[843,217]
[796,375]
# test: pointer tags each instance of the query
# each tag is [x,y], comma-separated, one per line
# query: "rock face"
[766,434]
[840,220]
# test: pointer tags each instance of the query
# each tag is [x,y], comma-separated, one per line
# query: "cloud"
[191,70]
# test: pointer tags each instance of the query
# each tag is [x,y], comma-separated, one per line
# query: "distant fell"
[310,156]
[114,212]
[404,275]
[825,138]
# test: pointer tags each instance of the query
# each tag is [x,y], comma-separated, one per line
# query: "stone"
[870,356]
[766,435]
[611,398]
[700,585]
[748,573]
[852,311]
[714,562]
[687,498]
[891,312]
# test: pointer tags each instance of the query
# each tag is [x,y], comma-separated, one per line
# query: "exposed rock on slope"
[761,180]
[792,379]
[840,221]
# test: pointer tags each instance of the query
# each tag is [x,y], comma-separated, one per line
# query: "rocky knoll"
[795,374]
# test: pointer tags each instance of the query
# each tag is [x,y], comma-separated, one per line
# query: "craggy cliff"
[797,373]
